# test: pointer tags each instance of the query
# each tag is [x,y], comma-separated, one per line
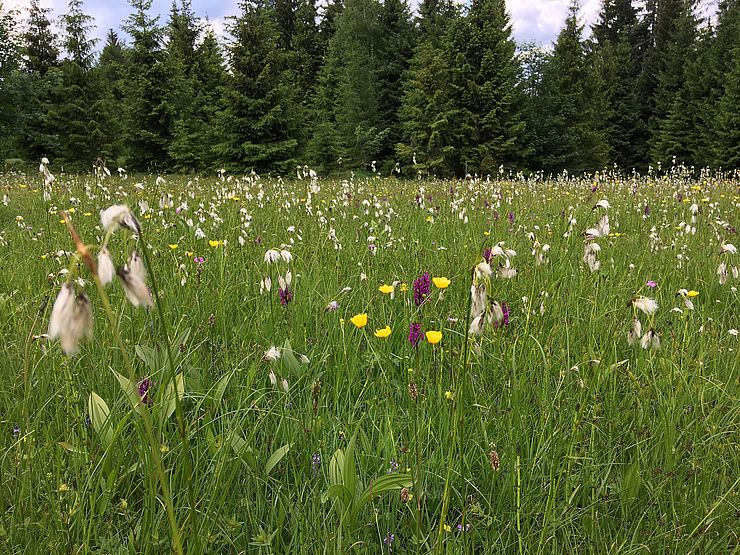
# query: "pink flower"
[651,283]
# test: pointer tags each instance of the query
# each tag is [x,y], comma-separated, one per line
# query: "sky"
[536,21]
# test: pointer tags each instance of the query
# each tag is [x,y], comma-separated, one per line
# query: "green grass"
[603,447]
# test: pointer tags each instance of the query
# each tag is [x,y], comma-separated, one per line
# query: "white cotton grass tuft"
[645,305]
[650,340]
[728,248]
[119,215]
[71,319]
[272,256]
[106,269]
[134,287]
[272,354]
[61,311]
[635,332]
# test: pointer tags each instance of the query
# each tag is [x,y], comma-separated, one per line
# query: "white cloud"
[540,21]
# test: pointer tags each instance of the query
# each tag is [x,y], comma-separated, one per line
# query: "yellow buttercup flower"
[383,333]
[441,282]
[404,287]
[434,337]
[386,289]
[189,253]
[693,293]
[88,214]
[449,395]
[359,320]
[215,243]
[173,246]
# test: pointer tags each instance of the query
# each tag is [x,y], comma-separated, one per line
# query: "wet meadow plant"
[222,363]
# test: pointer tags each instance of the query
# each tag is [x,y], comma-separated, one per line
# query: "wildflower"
[215,244]
[635,332]
[483,270]
[415,334]
[476,325]
[383,332]
[650,340]
[393,467]
[646,305]
[733,332]
[332,306]
[144,387]
[728,248]
[422,287]
[495,314]
[134,286]
[413,391]
[447,527]
[692,293]
[477,300]
[136,265]
[651,284]
[272,354]
[285,295]
[172,246]
[386,289]
[603,203]
[272,377]
[494,460]
[722,273]
[61,311]
[433,337]
[359,320]
[405,495]
[388,540]
[106,270]
[286,255]
[119,215]
[441,282]
[266,284]
[272,256]
[284,385]
[315,462]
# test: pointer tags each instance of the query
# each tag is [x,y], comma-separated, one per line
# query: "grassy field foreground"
[254,408]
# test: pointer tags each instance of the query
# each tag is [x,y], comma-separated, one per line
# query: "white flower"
[733,332]
[635,332]
[722,273]
[332,306]
[119,215]
[61,311]
[272,354]
[650,340]
[135,288]
[284,383]
[272,256]
[80,325]
[603,203]
[273,378]
[495,313]
[728,247]
[483,270]
[646,305]
[477,300]
[285,255]
[136,265]
[304,359]
[476,326]
[106,270]
[345,290]
[266,285]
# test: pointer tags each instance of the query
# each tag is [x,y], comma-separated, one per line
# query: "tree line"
[367,84]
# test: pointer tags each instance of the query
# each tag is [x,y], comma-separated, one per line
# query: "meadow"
[369,364]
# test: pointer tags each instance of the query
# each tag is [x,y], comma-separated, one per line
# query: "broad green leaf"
[170,402]
[290,360]
[276,457]
[382,485]
[99,414]
[131,390]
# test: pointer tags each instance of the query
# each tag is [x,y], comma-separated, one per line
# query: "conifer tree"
[258,124]
[148,108]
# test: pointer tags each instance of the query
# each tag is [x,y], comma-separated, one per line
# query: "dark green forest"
[361,84]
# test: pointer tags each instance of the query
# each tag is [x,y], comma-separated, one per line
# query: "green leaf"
[220,388]
[240,447]
[99,417]
[290,360]
[382,485]
[71,448]
[276,457]
[338,491]
[170,402]
[131,390]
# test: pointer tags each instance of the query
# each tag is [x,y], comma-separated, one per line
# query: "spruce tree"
[726,68]
[485,81]
[616,48]
[258,124]
[577,102]
[40,49]
[148,108]
[427,113]
[9,78]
